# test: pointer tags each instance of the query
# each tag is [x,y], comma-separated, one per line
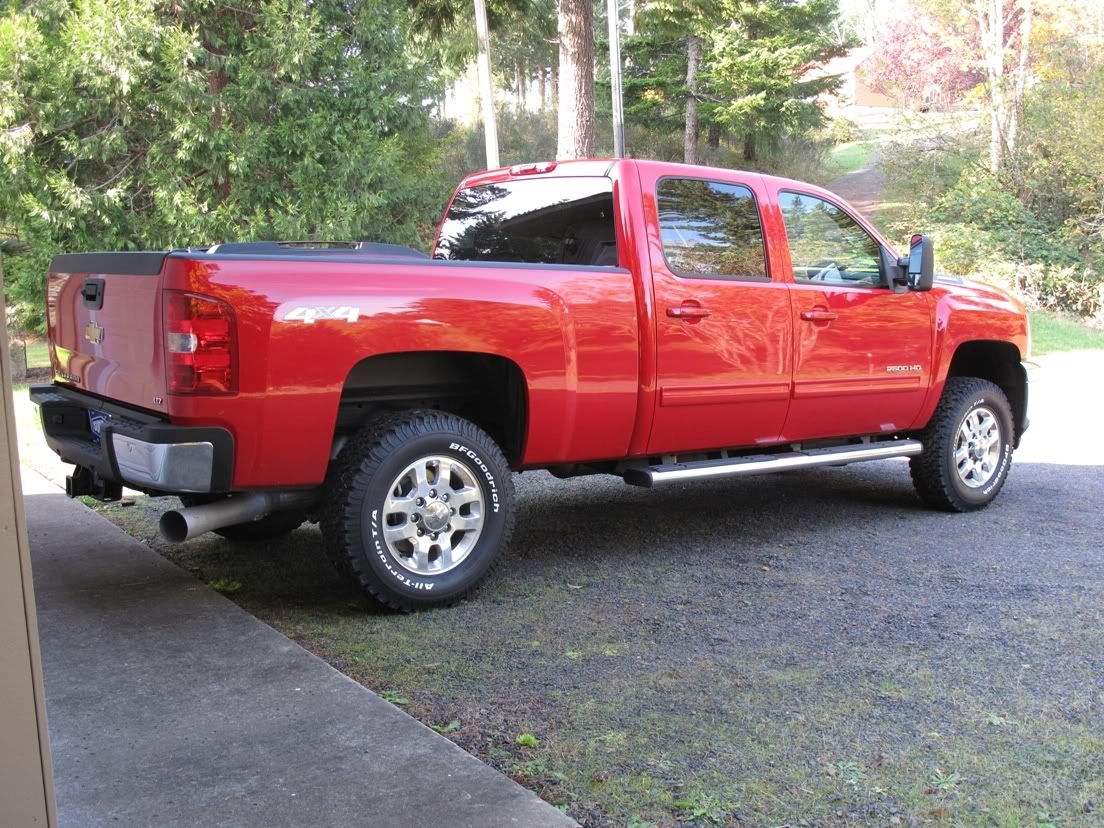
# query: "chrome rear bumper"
[135,447]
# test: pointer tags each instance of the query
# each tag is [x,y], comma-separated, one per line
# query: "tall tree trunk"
[749,146]
[217,80]
[690,141]
[554,75]
[1019,86]
[714,136]
[990,19]
[543,86]
[575,137]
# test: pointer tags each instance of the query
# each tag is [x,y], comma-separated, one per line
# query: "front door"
[862,350]
[724,327]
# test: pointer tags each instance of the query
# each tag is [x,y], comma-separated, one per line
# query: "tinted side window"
[827,245]
[540,221]
[710,230]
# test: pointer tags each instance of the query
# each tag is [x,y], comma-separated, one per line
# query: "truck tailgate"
[104,320]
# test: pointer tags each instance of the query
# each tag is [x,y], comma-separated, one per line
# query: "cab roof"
[601,167]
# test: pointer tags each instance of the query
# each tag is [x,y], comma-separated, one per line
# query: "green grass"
[847,158]
[38,354]
[1051,334]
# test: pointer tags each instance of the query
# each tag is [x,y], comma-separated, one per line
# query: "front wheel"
[418,509]
[967,447]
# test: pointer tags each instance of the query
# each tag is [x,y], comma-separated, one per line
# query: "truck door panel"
[723,328]
[862,351]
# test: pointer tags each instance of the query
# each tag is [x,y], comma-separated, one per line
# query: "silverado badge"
[94,333]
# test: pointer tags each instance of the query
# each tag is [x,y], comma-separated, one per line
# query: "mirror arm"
[893,276]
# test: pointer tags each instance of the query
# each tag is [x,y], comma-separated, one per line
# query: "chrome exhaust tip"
[179,525]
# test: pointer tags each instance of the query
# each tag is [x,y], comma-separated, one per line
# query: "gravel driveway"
[812,648]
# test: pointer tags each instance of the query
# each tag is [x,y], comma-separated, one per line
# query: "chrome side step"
[652,476]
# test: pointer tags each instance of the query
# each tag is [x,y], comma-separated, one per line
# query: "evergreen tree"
[759,61]
[129,124]
[751,77]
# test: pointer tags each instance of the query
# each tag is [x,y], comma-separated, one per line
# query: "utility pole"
[613,14]
[486,84]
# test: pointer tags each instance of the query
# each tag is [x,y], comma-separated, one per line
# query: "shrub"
[1071,290]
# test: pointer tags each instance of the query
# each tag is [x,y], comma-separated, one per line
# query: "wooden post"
[26,777]
[486,84]
[613,12]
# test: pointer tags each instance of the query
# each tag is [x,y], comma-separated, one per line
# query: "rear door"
[862,350]
[723,339]
[104,321]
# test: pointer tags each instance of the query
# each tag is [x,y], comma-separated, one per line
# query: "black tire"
[360,481]
[269,527]
[935,472]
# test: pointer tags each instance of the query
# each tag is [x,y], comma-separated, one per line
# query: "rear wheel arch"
[489,390]
[998,362]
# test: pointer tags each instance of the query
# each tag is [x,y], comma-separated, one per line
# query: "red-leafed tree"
[930,60]
[925,62]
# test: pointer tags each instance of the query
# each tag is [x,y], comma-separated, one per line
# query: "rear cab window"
[535,221]
[710,230]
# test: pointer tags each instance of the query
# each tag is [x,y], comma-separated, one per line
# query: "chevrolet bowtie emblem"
[94,333]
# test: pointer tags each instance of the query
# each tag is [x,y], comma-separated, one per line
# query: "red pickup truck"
[655,321]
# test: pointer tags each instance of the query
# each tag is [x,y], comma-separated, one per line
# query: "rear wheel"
[418,509]
[967,447]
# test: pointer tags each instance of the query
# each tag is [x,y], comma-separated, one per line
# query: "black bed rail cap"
[133,263]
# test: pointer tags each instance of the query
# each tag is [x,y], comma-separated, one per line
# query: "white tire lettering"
[471,455]
[401,577]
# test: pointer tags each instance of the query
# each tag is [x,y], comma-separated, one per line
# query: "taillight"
[200,345]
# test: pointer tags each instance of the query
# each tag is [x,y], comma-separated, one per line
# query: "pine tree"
[576,79]
[749,78]
[759,62]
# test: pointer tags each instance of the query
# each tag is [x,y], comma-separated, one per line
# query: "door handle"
[689,312]
[819,315]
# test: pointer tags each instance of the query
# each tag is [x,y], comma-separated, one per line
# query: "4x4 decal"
[309,314]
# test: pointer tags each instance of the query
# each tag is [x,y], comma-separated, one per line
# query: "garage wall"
[26,786]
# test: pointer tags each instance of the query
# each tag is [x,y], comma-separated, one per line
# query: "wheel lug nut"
[415,517]
[420,501]
[452,511]
[420,533]
[433,493]
[444,496]
[433,536]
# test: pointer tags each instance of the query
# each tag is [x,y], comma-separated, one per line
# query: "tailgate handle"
[93,293]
